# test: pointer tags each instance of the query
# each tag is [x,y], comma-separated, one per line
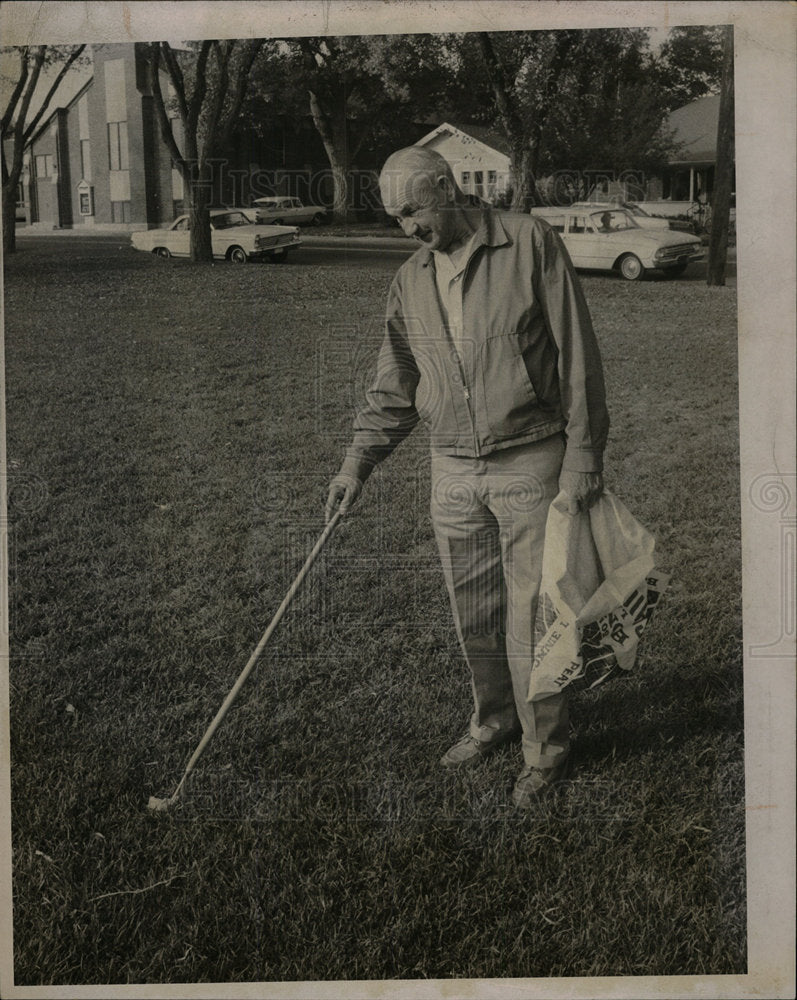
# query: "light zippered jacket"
[525,365]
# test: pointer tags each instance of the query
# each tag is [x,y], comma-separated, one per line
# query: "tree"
[16,128]
[359,88]
[209,84]
[689,64]
[332,86]
[611,116]
[522,130]
[723,175]
[568,102]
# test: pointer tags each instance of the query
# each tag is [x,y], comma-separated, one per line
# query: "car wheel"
[674,272]
[318,219]
[162,252]
[280,256]
[277,222]
[631,267]
[237,255]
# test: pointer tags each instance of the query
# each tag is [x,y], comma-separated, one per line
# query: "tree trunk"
[9,218]
[523,156]
[524,185]
[11,178]
[723,174]
[332,130]
[199,194]
[340,191]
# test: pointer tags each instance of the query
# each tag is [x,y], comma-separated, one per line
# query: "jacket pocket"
[509,394]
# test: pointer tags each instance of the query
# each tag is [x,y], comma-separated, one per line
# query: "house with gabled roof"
[478,156]
[691,171]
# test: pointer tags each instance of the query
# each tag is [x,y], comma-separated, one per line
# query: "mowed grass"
[171,432]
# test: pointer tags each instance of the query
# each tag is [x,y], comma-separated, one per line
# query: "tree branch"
[33,79]
[176,76]
[222,52]
[200,88]
[241,84]
[497,78]
[45,103]
[18,88]
[160,108]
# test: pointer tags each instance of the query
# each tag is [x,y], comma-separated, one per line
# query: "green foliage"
[689,64]
[584,100]
[363,93]
[231,66]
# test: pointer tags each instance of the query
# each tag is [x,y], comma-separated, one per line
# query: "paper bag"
[599,588]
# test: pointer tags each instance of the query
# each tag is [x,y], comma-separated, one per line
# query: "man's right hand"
[343,494]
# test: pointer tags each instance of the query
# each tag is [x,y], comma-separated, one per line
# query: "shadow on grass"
[634,716]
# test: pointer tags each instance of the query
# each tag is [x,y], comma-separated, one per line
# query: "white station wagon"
[610,239]
[290,210]
[232,236]
[641,217]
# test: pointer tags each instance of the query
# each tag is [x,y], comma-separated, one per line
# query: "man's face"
[424,211]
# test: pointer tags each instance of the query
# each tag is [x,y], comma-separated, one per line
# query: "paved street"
[369,252]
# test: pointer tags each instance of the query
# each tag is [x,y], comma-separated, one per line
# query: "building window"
[85,160]
[465,180]
[44,165]
[120,211]
[492,178]
[117,146]
[478,178]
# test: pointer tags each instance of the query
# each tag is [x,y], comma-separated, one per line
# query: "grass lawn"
[171,432]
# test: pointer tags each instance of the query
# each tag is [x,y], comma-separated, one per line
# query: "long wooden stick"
[163,804]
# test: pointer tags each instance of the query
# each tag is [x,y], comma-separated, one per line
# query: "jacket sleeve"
[580,370]
[389,413]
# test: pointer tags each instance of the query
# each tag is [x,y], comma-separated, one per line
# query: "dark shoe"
[469,750]
[533,782]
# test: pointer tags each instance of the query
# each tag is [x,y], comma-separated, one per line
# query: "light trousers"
[489,519]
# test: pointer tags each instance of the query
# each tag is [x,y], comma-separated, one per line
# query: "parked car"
[642,218]
[611,239]
[233,237]
[291,210]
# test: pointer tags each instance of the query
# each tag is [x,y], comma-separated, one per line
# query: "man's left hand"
[581,488]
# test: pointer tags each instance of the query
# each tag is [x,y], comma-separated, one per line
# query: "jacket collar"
[490,233]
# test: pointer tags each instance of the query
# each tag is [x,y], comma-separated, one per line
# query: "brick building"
[99,160]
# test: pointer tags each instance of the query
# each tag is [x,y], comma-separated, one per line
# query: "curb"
[375,242]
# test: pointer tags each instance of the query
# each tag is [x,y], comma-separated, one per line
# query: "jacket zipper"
[465,388]
[466,391]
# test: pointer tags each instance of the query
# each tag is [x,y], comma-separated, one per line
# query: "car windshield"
[229,220]
[614,221]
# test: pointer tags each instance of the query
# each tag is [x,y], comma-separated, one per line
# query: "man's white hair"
[410,176]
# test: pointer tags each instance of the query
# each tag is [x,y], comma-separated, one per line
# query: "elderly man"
[489,341]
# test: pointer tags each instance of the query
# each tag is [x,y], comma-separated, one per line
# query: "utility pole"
[723,172]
